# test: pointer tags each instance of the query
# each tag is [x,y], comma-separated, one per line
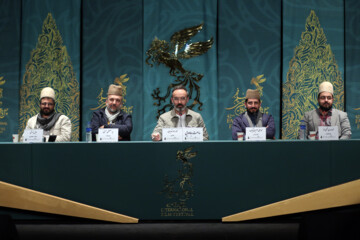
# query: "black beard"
[251,112]
[46,114]
[326,109]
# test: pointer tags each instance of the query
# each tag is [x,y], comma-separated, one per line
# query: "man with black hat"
[326,115]
[253,117]
[112,116]
[51,122]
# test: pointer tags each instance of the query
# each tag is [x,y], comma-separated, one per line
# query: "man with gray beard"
[179,116]
[111,116]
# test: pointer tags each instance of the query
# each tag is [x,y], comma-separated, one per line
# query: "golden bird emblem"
[170,54]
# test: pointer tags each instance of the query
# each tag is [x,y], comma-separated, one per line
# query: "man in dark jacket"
[111,116]
[253,117]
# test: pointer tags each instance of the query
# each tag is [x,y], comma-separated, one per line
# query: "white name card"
[172,134]
[328,133]
[193,134]
[33,135]
[182,134]
[255,134]
[108,135]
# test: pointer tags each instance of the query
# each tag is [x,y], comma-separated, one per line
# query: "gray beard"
[180,109]
[112,111]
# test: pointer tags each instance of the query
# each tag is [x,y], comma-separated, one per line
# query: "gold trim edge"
[13,196]
[345,194]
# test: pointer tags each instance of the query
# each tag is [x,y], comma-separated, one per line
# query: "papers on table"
[108,135]
[328,133]
[255,134]
[182,134]
[33,135]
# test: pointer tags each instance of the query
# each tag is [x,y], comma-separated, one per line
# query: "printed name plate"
[172,134]
[33,135]
[328,133]
[108,134]
[193,134]
[255,134]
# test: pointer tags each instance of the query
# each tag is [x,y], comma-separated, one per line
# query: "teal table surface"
[180,181]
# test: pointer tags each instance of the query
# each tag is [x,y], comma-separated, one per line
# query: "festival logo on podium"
[170,54]
[179,189]
[239,102]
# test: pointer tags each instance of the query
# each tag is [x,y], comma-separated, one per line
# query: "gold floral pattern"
[313,63]
[50,66]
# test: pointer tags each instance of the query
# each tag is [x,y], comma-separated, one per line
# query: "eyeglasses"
[326,97]
[45,103]
[179,99]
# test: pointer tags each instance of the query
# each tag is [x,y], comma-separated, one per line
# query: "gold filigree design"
[181,188]
[102,99]
[50,66]
[313,63]
[357,119]
[239,102]
[170,54]
[3,111]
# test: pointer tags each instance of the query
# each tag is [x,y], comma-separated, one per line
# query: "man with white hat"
[253,117]
[51,122]
[112,116]
[326,115]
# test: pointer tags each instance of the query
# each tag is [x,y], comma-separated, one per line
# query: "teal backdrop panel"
[180,181]
[112,46]
[331,17]
[66,15]
[249,45]
[162,19]
[352,36]
[10,11]
[302,97]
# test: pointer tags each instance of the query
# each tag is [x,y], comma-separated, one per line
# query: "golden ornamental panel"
[50,66]
[313,62]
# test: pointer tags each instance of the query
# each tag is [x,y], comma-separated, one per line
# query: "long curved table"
[178,181]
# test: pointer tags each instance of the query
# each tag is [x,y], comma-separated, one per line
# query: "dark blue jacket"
[240,123]
[123,122]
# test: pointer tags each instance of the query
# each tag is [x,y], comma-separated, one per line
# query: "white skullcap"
[47,92]
[326,87]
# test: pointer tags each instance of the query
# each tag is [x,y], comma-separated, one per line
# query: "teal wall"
[108,38]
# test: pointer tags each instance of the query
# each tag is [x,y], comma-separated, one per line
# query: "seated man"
[111,116]
[253,117]
[180,116]
[51,122]
[326,115]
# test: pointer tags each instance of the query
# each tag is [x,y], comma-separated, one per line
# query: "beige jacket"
[170,120]
[62,128]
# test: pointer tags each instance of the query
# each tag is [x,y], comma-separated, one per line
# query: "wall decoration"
[170,54]
[313,62]
[50,66]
